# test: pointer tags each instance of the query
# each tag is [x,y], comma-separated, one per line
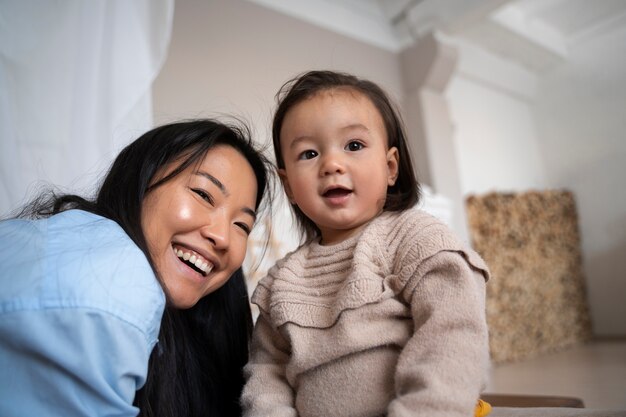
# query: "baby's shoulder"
[413,236]
[411,227]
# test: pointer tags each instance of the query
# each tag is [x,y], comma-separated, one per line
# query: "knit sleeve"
[267,392]
[443,367]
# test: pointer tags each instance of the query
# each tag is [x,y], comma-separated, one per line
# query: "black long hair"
[405,192]
[196,367]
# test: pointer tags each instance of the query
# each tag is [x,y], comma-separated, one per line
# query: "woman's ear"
[393,160]
[283,178]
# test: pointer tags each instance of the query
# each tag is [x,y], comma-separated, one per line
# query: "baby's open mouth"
[193,260]
[336,192]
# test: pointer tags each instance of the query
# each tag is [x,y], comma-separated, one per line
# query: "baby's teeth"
[186,256]
[179,253]
[198,263]
[193,259]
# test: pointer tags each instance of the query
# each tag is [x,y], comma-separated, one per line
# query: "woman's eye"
[244,227]
[354,146]
[204,195]
[308,154]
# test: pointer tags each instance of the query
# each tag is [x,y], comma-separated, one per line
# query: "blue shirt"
[80,310]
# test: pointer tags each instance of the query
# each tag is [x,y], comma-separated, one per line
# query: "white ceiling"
[538,34]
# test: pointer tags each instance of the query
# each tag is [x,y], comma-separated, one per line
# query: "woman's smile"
[194,260]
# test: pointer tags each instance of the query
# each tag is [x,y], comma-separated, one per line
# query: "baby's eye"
[354,146]
[309,154]
[204,195]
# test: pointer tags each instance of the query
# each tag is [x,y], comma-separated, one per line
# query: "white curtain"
[75,87]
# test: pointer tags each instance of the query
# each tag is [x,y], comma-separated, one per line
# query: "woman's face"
[197,224]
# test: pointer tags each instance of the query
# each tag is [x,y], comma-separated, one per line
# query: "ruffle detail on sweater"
[314,285]
[414,236]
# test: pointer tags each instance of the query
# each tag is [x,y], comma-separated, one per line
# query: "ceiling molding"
[537,34]
[364,23]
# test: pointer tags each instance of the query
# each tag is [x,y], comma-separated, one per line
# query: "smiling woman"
[134,302]
[197,224]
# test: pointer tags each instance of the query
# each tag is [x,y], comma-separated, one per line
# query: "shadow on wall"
[607,271]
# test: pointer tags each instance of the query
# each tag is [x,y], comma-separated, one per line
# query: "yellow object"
[482,408]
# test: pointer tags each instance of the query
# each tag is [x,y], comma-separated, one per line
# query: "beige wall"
[231,56]
[581,118]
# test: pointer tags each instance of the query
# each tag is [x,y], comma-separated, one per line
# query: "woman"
[88,285]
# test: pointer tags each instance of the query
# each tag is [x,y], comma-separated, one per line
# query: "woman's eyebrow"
[249,211]
[215,181]
[224,191]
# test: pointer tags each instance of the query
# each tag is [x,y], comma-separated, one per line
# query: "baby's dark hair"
[405,193]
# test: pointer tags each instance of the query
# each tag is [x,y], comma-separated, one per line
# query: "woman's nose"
[332,163]
[217,231]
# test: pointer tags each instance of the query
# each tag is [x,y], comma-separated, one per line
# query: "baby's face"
[337,162]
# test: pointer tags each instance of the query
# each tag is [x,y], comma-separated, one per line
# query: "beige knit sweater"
[390,322]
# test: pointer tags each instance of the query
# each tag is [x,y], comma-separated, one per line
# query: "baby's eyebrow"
[355,126]
[350,126]
[297,140]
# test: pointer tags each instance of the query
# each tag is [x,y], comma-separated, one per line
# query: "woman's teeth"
[200,263]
